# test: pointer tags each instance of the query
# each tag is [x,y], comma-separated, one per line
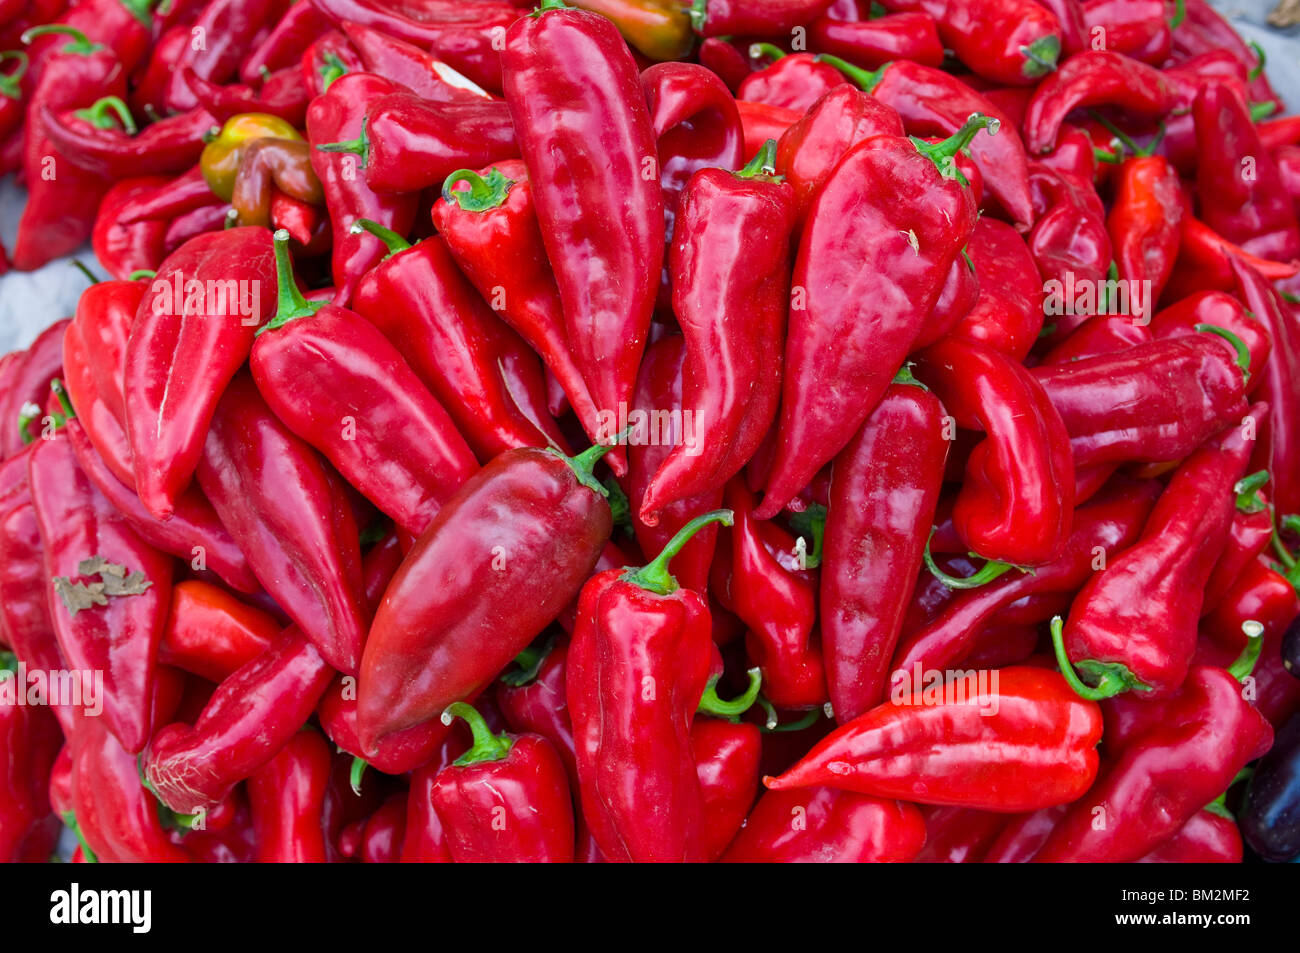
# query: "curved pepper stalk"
[1112,678]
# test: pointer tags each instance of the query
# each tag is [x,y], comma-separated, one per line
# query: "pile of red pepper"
[651,430]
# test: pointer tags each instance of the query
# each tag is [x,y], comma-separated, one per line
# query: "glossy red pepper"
[336,115]
[284,43]
[1205,734]
[402,62]
[125,249]
[987,750]
[958,835]
[884,488]
[534,522]
[480,370]
[211,633]
[29,743]
[289,514]
[1139,29]
[932,102]
[1018,498]
[825,825]
[228,27]
[1008,313]
[753,17]
[504,800]
[912,36]
[731,308]
[490,228]
[833,377]
[633,746]
[184,193]
[1144,221]
[792,80]
[28,383]
[189,339]
[108,591]
[1154,402]
[1207,838]
[282,94]
[329,58]
[727,764]
[576,99]
[249,719]
[1133,626]
[287,797]
[334,379]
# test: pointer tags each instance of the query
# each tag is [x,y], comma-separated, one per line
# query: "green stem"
[487,746]
[360,146]
[27,415]
[906,377]
[142,273]
[142,10]
[1125,139]
[529,663]
[482,194]
[100,114]
[355,774]
[711,704]
[763,165]
[1243,352]
[1245,662]
[654,575]
[943,154]
[80,265]
[61,395]
[1112,678]
[766,51]
[80,44]
[774,726]
[11,82]
[987,573]
[811,524]
[584,464]
[70,821]
[867,80]
[1180,14]
[291,305]
[1262,110]
[699,14]
[1041,56]
[1261,59]
[395,242]
[549,5]
[332,69]
[1247,490]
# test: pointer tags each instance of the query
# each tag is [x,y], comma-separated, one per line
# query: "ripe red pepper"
[480,370]
[1241,193]
[958,835]
[986,751]
[1144,222]
[1208,838]
[339,114]
[93,141]
[334,379]
[1109,524]
[761,122]
[108,591]
[248,720]
[328,59]
[283,94]
[1206,30]
[228,28]
[1204,735]
[28,383]
[284,43]
[1137,28]
[29,743]
[1134,625]
[12,113]
[290,516]
[1222,310]
[577,103]
[826,825]
[125,249]
[912,36]
[287,797]
[211,633]
[727,764]
[638,666]
[884,488]
[185,193]
[504,800]
[534,521]
[412,67]
[753,17]
[792,80]
[658,397]
[851,326]
[934,103]
[809,150]
[1155,402]
[1018,497]
[186,343]
[731,307]
[1008,312]
[1101,334]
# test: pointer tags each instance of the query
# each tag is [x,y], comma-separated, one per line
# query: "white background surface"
[31,301]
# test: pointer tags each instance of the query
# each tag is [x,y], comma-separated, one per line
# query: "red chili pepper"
[282,94]
[329,58]
[792,81]
[810,149]
[932,102]
[1208,838]
[283,45]
[1111,522]
[1205,262]
[1137,28]
[228,28]
[753,17]
[1008,314]
[108,590]
[29,383]
[727,764]
[958,835]
[1205,734]
[1155,402]
[1017,501]
[1011,43]
[92,139]
[289,515]
[722,58]
[334,379]
[1241,192]
[408,143]
[125,249]
[150,87]
[184,193]
[576,99]
[1279,447]
[1027,743]
[340,114]
[1144,222]
[120,25]
[186,344]
[1099,335]
[761,122]
[659,428]
[248,720]
[884,487]
[29,743]
[1134,625]
[872,43]
[1205,30]
[287,797]
[535,521]
[466,35]
[491,230]
[506,799]
[12,113]
[825,825]
[833,380]
[424,840]
[412,67]
[730,306]
[211,633]
[638,628]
